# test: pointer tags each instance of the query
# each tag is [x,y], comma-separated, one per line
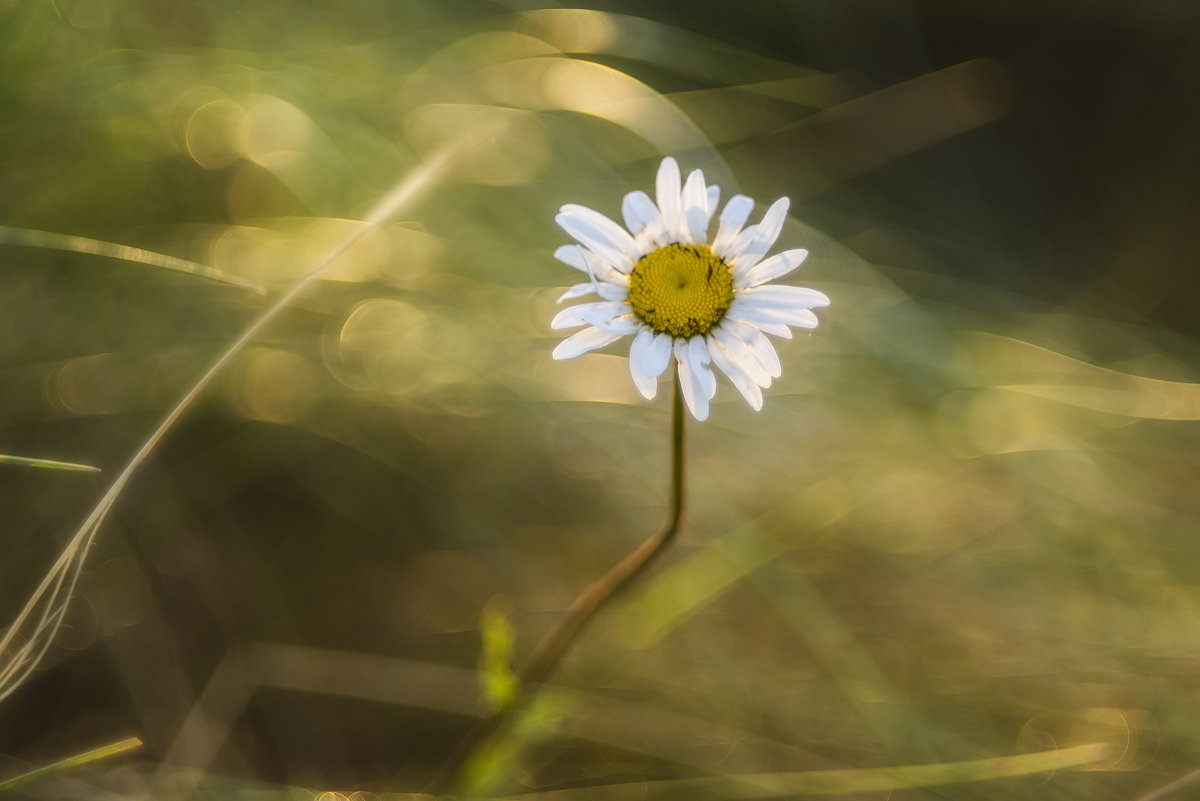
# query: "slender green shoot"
[842,782]
[499,682]
[51,464]
[96,754]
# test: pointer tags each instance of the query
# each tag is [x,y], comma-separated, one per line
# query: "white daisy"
[680,294]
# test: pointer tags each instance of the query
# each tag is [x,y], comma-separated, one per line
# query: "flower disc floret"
[681,290]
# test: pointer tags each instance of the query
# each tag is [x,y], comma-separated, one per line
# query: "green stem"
[599,594]
[546,657]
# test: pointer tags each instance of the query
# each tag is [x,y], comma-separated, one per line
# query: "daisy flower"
[678,293]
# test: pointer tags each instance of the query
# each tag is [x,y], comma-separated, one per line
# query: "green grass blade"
[839,782]
[103,752]
[78,244]
[51,464]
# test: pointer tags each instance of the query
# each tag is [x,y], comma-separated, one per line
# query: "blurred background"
[961,527]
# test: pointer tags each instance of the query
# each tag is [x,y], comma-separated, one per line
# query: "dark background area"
[1085,189]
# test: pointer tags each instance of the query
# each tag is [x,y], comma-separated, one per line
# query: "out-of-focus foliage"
[962,527]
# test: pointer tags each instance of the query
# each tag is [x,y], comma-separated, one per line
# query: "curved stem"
[600,593]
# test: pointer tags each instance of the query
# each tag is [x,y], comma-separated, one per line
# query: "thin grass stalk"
[1168,790]
[48,603]
[112,250]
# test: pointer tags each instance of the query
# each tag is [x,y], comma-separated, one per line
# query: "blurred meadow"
[959,535]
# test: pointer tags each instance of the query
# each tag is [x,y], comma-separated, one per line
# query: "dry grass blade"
[36,625]
[1174,787]
[79,244]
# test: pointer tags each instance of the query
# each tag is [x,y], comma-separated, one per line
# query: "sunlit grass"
[63,765]
[79,244]
[845,782]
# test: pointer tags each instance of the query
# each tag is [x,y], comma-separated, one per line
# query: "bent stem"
[550,652]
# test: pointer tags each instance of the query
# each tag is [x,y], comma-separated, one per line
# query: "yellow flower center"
[681,290]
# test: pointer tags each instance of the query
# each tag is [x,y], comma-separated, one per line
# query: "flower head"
[681,294]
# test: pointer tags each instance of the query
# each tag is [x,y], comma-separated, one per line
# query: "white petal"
[739,353]
[800,318]
[657,356]
[596,240]
[615,234]
[643,219]
[669,202]
[759,313]
[612,291]
[745,385]
[567,318]
[740,242]
[764,353]
[746,251]
[778,265]
[575,256]
[604,289]
[646,384]
[783,296]
[631,211]
[689,393]
[603,310]
[759,347]
[651,239]
[699,358]
[578,291]
[614,317]
[695,207]
[804,318]
[590,313]
[757,318]
[696,400]
[712,198]
[586,340]
[622,324]
[733,217]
